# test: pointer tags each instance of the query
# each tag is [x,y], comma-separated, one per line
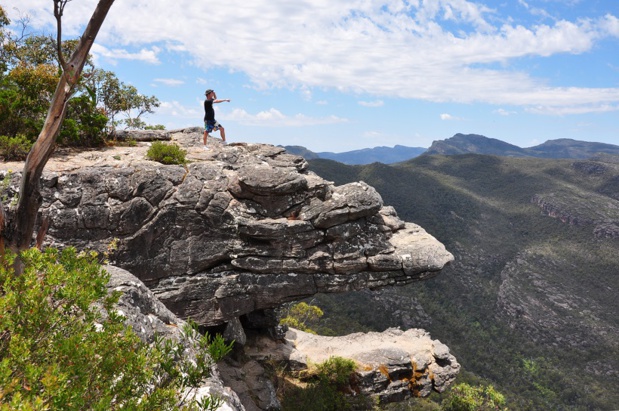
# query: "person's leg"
[222,132]
[208,127]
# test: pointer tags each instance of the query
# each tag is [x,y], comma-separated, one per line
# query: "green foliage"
[29,73]
[336,371]
[481,208]
[14,148]
[85,123]
[63,347]
[166,153]
[302,316]
[464,397]
[116,97]
[329,387]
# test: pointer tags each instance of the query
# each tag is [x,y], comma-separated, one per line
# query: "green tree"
[19,233]
[64,347]
[464,397]
[302,316]
[115,98]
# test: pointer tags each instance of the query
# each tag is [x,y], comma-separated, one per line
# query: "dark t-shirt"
[209,111]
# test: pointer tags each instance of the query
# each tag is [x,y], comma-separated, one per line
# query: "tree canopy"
[29,72]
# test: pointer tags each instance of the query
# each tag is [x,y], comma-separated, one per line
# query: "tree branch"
[29,196]
[58,12]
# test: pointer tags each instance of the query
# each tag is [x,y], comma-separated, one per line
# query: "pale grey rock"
[149,317]
[393,365]
[243,228]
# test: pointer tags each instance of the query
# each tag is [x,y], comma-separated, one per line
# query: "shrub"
[330,386]
[166,153]
[464,397]
[14,148]
[84,124]
[63,347]
[302,316]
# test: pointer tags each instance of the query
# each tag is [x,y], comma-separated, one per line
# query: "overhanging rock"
[242,228]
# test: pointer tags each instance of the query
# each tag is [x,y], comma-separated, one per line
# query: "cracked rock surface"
[241,228]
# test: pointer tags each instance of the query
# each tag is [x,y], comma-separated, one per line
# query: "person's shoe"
[205,148]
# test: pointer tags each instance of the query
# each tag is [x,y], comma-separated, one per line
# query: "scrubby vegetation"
[509,252]
[14,148]
[29,73]
[64,347]
[301,316]
[328,386]
[166,153]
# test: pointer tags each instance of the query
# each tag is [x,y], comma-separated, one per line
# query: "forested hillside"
[530,303]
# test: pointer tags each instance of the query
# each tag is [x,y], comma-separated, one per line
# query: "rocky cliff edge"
[241,228]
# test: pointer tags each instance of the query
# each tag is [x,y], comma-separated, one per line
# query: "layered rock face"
[238,231]
[242,228]
[150,318]
[393,365]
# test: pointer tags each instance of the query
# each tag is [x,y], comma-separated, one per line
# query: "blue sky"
[350,74]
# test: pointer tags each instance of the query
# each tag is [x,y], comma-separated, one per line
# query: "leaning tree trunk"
[23,222]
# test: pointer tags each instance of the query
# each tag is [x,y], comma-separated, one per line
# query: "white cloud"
[449,117]
[382,48]
[148,56]
[275,118]
[176,109]
[375,103]
[503,112]
[171,82]
[573,109]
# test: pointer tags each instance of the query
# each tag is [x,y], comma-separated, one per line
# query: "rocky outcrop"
[597,211]
[233,234]
[149,317]
[240,229]
[392,365]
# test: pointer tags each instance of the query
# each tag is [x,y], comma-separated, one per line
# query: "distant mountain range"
[560,148]
[463,144]
[385,155]
[530,302]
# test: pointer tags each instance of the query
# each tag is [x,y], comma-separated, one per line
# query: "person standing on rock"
[210,124]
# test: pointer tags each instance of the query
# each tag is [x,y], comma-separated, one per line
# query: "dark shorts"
[211,125]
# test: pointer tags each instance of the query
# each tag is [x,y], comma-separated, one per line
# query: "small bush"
[166,153]
[302,316]
[64,347]
[330,386]
[14,148]
[464,397]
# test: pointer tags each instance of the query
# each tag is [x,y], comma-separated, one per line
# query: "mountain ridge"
[557,148]
[462,144]
[528,304]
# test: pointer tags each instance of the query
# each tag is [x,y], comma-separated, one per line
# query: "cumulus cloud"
[113,54]
[176,109]
[275,118]
[375,103]
[442,51]
[503,112]
[171,82]
[449,117]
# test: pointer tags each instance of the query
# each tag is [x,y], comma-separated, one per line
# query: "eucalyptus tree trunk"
[19,235]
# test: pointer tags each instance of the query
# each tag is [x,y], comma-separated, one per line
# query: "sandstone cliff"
[241,228]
